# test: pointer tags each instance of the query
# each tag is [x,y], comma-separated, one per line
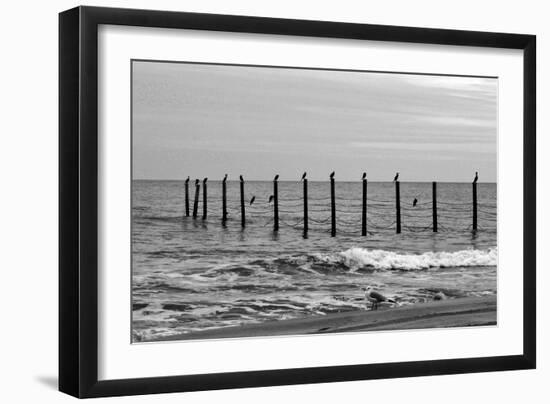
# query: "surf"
[359,258]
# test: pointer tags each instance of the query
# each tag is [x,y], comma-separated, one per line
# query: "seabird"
[197,181]
[304,176]
[205,179]
[440,296]
[332,175]
[187,180]
[270,199]
[396,177]
[276,177]
[415,202]
[364,176]
[375,298]
[252,200]
[241,178]
[475,179]
[225,178]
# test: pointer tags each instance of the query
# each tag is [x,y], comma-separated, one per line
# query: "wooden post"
[196,204]
[332,208]
[187,197]
[305,208]
[243,219]
[474,202]
[364,212]
[434,206]
[204,200]
[397,209]
[275,205]
[224,202]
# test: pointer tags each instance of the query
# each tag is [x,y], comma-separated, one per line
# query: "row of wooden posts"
[305,205]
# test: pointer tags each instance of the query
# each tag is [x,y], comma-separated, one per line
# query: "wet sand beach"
[463,312]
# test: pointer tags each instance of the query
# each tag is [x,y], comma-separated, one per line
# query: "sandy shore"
[479,311]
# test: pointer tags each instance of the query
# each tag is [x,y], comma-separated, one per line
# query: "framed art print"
[250,201]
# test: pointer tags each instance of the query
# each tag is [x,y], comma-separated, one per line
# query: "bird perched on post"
[241,178]
[205,179]
[375,298]
[364,176]
[187,180]
[332,175]
[396,177]
[304,176]
[270,199]
[475,179]
[415,202]
[197,181]
[252,200]
[276,177]
[225,178]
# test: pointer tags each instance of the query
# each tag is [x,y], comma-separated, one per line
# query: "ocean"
[190,274]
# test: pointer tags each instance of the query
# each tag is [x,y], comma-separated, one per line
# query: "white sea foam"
[356,258]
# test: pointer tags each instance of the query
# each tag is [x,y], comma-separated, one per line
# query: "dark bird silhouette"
[276,177]
[304,176]
[205,179]
[241,178]
[415,202]
[197,181]
[476,177]
[252,200]
[364,176]
[332,175]
[225,178]
[270,199]
[187,180]
[396,177]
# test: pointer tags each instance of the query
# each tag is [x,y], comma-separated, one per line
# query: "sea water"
[190,274]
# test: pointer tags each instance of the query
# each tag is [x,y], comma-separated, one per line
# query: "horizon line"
[336,180]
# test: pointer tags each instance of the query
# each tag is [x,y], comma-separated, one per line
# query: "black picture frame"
[78,201]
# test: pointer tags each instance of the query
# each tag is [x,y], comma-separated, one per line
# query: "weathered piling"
[397,208]
[364,209]
[294,209]
[204,199]
[243,218]
[305,209]
[224,200]
[276,203]
[332,207]
[196,203]
[434,206]
[474,206]
[187,197]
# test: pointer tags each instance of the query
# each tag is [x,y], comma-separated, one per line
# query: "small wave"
[359,258]
[148,218]
[355,259]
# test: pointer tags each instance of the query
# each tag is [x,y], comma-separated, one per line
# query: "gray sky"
[208,120]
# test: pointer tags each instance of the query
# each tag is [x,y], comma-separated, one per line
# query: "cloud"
[320,115]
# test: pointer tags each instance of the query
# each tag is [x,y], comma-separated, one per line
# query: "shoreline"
[462,312]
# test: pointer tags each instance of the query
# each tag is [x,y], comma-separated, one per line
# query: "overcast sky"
[208,120]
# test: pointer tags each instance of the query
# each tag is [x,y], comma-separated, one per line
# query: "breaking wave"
[360,258]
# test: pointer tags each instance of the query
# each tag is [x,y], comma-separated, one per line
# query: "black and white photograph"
[272,200]
[275,202]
